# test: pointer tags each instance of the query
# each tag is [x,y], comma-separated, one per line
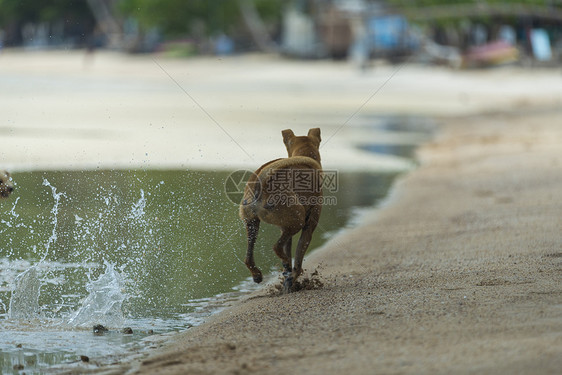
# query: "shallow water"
[156,251]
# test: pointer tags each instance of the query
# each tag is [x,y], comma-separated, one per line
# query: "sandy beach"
[457,272]
[64,110]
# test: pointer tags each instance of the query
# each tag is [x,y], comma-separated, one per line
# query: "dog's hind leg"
[252,227]
[283,250]
[280,249]
[304,241]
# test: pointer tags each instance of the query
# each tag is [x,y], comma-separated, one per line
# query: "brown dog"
[286,193]
[6,185]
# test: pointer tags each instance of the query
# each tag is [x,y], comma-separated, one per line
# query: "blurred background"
[121,120]
[459,33]
[173,84]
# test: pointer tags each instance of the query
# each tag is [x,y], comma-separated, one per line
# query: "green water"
[174,236]
[172,240]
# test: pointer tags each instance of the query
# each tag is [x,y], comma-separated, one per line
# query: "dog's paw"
[258,278]
[288,284]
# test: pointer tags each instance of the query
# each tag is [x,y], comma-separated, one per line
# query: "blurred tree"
[465,23]
[422,3]
[43,11]
[73,15]
[172,18]
[177,18]
[180,17]
[443,9]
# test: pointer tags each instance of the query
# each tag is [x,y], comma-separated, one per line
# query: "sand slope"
[459,273]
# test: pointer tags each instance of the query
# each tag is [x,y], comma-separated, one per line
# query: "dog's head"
[6,184]
[307,145]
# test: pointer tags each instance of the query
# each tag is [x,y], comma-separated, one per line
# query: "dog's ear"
[315,133]
[287,136]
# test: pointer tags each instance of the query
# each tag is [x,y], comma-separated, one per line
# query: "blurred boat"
[490,54]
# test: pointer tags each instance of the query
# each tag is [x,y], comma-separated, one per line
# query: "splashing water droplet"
[24,302]
[54,211]
[137,210]
[104,301]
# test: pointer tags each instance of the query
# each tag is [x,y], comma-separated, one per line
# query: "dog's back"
[282,180]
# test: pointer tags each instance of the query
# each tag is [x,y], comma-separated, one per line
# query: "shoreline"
[458,272]
[270,286]
[463,280]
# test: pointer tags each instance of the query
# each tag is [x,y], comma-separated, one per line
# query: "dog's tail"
[253,188]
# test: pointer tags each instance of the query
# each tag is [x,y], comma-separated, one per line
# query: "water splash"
[12,214]
[54,211]
[24,302]
[137,211]
[104,301]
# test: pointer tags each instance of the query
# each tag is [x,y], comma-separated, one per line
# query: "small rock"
[99,329]
[19,346]
[127,331]
[84,358]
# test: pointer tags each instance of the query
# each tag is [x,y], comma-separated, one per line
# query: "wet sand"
[458,272]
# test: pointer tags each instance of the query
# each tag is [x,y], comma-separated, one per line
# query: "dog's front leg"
[287,248]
